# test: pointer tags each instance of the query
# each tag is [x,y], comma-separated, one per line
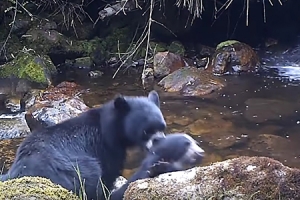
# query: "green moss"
[117,41]
[226,43]
[28,66]
[87,46]
[34,188]
[158,47]
[177,48]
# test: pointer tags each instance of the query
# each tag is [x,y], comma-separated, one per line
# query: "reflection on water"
[283,63]
[254,115]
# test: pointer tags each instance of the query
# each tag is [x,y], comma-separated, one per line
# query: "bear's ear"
[121,104]
[154,97]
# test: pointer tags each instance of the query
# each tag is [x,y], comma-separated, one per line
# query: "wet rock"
[13,126]
[27,65]
[234,57]
[239,178]
[217,132]
[55,105]
[177,48]
[259,110]
[33,188]
[166,62]
[95,74]
[190,81]
[196,62]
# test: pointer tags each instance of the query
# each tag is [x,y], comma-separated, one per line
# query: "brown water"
[223,123]
[253,115]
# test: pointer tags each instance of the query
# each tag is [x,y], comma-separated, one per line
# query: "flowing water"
[256,115]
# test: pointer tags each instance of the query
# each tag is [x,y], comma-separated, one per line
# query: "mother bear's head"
[142,119]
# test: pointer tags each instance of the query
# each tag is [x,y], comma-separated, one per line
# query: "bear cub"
[175,152]
[90,148]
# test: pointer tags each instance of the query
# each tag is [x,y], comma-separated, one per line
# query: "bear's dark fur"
[169,154]
[90,149]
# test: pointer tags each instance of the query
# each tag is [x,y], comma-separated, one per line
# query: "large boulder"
[28,65]
[55,105]
[234,57]
[191,81]
[238,178]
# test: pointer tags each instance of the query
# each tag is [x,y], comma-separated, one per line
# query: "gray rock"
[13,126]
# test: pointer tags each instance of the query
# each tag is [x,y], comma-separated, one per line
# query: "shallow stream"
[254,115]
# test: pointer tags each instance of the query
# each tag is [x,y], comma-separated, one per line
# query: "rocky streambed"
[246,121]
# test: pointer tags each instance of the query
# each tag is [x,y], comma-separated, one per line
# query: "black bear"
[175,152]
[86,154]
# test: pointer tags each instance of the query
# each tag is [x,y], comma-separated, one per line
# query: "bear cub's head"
[142,119]
[178,149]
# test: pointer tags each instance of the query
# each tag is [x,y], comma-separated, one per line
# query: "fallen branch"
[123,6]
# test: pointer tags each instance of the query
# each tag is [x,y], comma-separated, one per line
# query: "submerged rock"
[190,81]
[33,188]
[177,48]
[234,57]
[259,110]
[238,178]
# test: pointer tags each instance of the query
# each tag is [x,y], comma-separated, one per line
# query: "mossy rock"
[28,66]
[84,47]
[226,43]
[31,188]
[177,48]
[117,41]
[158,47]
[54,43]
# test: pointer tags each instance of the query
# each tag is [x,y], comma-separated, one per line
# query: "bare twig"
[3,48]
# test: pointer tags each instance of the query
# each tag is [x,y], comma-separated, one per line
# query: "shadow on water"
[254,115]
